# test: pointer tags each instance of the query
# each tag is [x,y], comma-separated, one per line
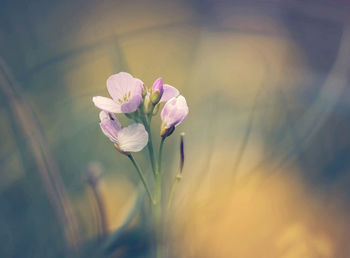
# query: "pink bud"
[158,86]
[174,112]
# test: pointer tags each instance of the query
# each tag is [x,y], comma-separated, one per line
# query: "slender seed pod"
[182,151]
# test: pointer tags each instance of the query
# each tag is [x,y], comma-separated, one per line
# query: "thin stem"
[150,144]
[157,216]
[158,206]
[178,176]
[142,177]
[159,168]
[151,154]
[172,194]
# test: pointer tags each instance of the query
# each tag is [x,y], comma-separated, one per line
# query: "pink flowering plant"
[131,97]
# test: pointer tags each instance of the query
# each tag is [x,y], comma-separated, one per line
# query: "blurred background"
[267,143]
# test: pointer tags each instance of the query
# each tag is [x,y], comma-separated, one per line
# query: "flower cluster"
[131,97]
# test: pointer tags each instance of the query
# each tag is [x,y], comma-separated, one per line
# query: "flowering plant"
[132,98]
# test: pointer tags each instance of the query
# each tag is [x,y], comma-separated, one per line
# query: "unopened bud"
[157,91]
[144,90]
[147,105]
[155,97]
[155,109]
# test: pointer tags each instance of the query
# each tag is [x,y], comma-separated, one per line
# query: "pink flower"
[174,113]
[128,139]
[126,93]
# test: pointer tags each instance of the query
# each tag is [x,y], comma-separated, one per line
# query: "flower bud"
[144,90]
[157,91]
[147,105]
[155,109]
[174,112]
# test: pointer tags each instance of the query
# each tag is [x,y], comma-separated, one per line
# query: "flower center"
[125,98]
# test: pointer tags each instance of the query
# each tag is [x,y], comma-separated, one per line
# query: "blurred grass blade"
[24,119]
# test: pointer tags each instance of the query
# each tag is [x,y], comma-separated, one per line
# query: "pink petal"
[106,116]
[110,129]
[174,111]
[131,105]
[107,104]
[122,84]
[168,93]
[117,85]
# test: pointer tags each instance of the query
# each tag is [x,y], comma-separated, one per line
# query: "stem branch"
[159,168]
[142,177]
[150,144]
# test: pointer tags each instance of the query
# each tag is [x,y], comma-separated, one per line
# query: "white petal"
[132,138]
[117,84]
[107,104]
[183,109]
[181,102]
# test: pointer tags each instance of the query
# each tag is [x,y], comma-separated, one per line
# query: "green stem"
[159,168]
[172,194]
[151,153]
[157,216]
[142,177]
[158,183]
[158,205]
[147,123]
